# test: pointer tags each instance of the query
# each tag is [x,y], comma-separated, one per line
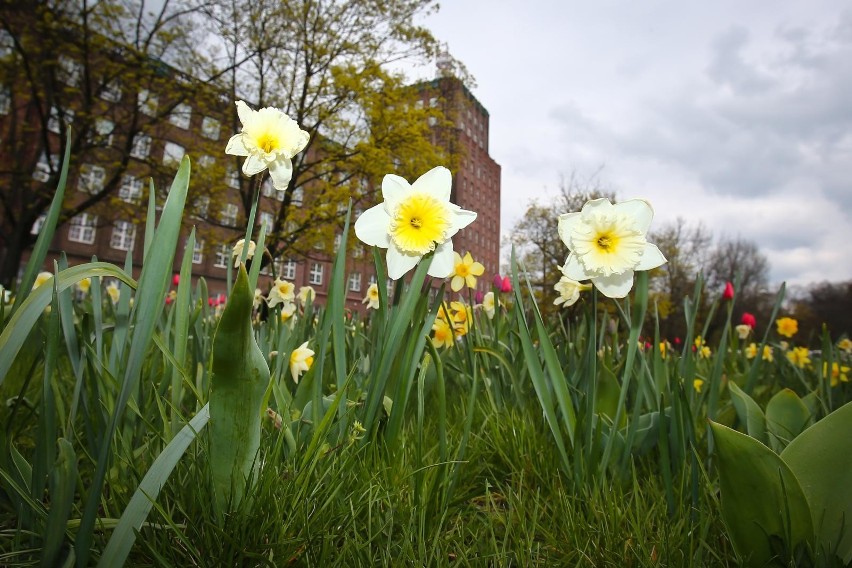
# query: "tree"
[826,303]
[331,66]
[116,71]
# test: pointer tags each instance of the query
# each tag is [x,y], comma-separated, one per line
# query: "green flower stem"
[238,382]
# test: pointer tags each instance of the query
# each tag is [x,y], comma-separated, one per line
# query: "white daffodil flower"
[282,292]
[301,360]
[489,304]
[238,251]
[41,278]
[607,244]
[372,297]
[114,292]
[414,220]
[569,291]
[269,139]
[306,294]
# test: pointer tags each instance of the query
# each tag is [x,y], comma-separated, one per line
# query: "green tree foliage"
[335,67]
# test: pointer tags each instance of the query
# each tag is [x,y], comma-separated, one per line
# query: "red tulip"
[728,294]
[506,286]
[677,340]
[175,279]
[210,301]
[168,300]
[748,319]
[498,282]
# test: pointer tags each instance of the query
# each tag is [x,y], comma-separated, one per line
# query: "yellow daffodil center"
[608,244]
[462,270]
[268,141]
[419,222]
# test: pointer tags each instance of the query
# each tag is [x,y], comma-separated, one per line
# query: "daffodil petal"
[470,280]
[461,218]
[600,205]
[399,263]
[456,283]
[573,268]
[253,165]
[437,182]
[394,189]
[281,170]
[565,226]
[638,209]
[245,113]
[616,285]
[373,226]
[442,265]
[236,147]
[477,269]
[651,258]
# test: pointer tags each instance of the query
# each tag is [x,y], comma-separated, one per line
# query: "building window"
[201,205]
[130,190]
[298,197]
[39,223]
[433,102]
[355,282]
[267,189]
[432,121]
[228,217]
[172,154]
[103,132]
[57,118]
[82,229]
[223,256]
[43,168]
[147,102]
[5,100]
[372,279]
[337,239]
[91,178]
[210,128]
[181,115]
[198,252]
[123,235]
[141,146]
[232,178]
[288,269]
[69,71]
[112,91]
[7,43]
[315,276]
[358,251]
[205,160]
[266,221]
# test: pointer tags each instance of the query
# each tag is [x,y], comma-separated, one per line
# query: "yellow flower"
[838,373]
[699,341]
[269,139]
[845,344]
[665,347]
[697,384]
[444,312]
[443,334]
[413,220]
[41,278]
[704,352]
[287,311]
[743,330]
[799,356]
[787,326]
[238,251]
[306,293]
[751,351]
[372,297]
[114,292]
[462,317]
[488,304]
[607,244]
[84,285]
[569,291]
[767,353]
[301,360]
[282,292]
[465,272]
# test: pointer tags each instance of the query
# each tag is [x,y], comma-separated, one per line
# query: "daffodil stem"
[257,183]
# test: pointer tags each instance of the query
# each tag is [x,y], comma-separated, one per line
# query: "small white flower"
[488,304]
[238,251]
[413,220]
[282,292]
[258,298]
[743,330]
[569,291]
[607,244]
[269,139]
[306,293]
[41,278]
[301,360]
[113,291]
[287,311]
[372,297]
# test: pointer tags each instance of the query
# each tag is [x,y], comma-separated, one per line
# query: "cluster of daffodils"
[607,244]
[453,322]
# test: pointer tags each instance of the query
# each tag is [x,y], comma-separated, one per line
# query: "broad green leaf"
[786,417]
[821,459]
[762,500]
[749,413]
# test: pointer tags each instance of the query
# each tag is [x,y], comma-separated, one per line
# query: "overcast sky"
[734,113]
